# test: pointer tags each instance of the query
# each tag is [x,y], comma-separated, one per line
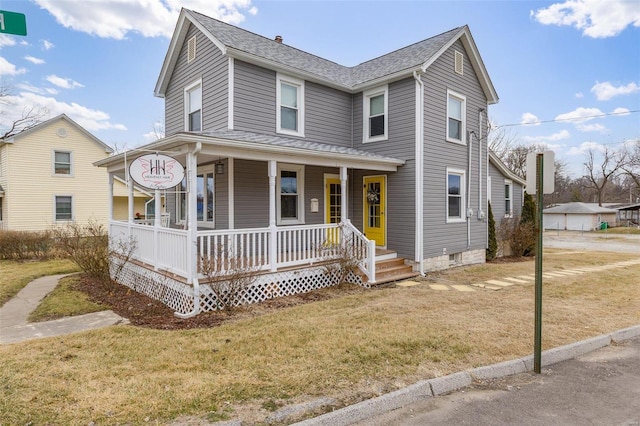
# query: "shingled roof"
[251,47]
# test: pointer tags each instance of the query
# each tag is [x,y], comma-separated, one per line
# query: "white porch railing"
[166,248]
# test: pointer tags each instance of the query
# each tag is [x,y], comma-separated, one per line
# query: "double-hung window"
[62,163]
[63,207]
[376,118]
[290,202]
[456,117]
[508,198]
[455,195]
[290,105]
[193,107]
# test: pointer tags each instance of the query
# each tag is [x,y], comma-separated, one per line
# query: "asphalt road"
[599,388]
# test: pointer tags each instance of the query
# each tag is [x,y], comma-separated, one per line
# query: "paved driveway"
[592,241]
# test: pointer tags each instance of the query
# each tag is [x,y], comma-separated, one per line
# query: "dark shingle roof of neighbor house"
[408,57]
[578,208]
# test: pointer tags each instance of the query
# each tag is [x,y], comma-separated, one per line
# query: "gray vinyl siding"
[400,213]
[212,67]
[497,194]
[440,154]
[327,111]
[221,197]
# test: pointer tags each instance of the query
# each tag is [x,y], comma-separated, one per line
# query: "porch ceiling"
[255,146]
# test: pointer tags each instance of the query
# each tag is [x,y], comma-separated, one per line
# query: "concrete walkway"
[13,315]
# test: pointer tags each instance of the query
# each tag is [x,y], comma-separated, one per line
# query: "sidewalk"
[13,315]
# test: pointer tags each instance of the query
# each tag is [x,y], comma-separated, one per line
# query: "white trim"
[300,182]
[55,210]
[325,178]
[188,89]
[299,85]
[419,175]
[463,112]
[230,93]
[53,163]
[366,106]
[510,212]
[489,190]
[463,191]
[231,190]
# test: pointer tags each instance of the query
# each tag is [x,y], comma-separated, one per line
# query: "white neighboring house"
[578,217]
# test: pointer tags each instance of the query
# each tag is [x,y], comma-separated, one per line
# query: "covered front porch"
[275,207]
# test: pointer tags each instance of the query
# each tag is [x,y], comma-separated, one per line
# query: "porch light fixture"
[219,167]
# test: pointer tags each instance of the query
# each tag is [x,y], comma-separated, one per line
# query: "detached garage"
[578,217]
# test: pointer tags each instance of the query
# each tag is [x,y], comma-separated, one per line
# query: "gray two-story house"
[285,152]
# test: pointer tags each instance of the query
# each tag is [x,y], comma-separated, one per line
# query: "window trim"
[299,169]
[299,84]
[55,208]
[201,171]
[508,182]
[463,130]
[463,193]
[366,108]
[187,90]
[53,163]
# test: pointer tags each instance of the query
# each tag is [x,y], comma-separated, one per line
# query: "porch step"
[393,269]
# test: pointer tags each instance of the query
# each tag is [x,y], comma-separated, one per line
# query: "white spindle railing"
[298,245]
[232,249]
[364,248]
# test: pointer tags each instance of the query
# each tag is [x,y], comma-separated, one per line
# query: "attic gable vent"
[191,50]
[459,63]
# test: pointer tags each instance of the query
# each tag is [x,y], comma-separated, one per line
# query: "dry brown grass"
[351,348]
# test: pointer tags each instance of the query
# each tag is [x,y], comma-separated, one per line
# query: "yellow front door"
[374,200]
[333,205]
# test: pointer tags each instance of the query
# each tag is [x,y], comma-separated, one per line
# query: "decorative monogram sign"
[156,171]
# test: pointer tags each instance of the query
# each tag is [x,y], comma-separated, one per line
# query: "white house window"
[456,115]
[290,105]
[63,207]
[205,198]
[455,195]
[508,198]
[62,163]
[376,118]
[290,203]
[193,107]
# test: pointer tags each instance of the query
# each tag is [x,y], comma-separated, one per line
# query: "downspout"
[192,235]
[481,212]
[469,211]
[419,173]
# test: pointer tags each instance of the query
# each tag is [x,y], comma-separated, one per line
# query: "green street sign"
[13,23]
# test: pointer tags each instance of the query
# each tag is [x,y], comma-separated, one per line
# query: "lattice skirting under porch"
[179,296]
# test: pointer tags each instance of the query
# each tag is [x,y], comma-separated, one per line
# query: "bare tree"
[632,166]
[30,116]
[600,173]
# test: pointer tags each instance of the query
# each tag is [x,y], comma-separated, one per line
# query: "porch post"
[130,197]
[192,214]
[110,212]
[343,194]
[231,190]
[273,230]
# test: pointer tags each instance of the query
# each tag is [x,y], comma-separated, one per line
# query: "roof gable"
[497,162]
[61,117]
[242,44]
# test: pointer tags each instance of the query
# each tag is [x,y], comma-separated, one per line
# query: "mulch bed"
[143,311]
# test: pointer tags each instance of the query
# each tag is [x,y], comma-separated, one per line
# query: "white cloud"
[6,40]
[580,115]
[579,95]
[529,119]
[594,127]
[34,60]
[621,111]
[555,137]
[47,45]
[64,83]
[150,18]
[595,18]
[605,91]
[7,68]
[585,147]
[91,119]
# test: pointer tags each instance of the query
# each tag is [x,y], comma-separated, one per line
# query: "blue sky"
[567,72]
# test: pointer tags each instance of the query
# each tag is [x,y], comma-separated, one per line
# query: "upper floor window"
[376,118]
[63,207]
[61,163]
[290,203]
[508,198]
[455,195]
[290,105]
[193,107]
[456,117]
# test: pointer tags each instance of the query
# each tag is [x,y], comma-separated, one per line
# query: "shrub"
[520,237]
[22,245]
[492,250]
[342,258]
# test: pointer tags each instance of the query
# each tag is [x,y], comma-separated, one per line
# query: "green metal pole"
[537,354]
